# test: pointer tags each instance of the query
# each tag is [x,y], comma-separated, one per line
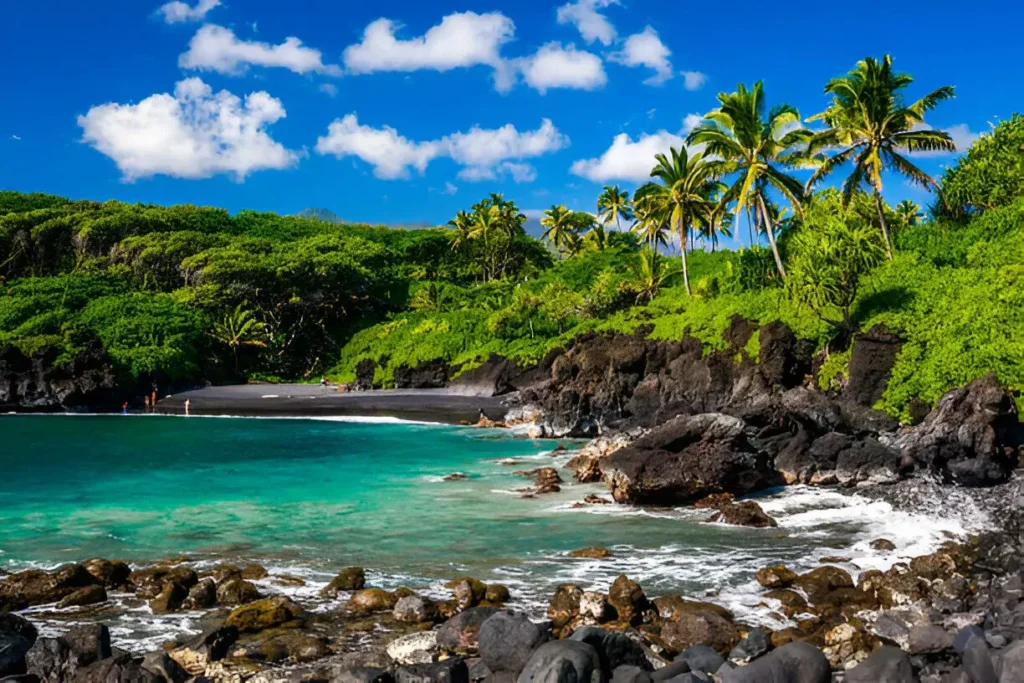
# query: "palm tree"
[717,221]
[871,125]
[558,226]
[597,237]
[463,226]
[755,147]
[614,204]
[239,328]
[908,213]
[683,194]
[651,224]
[648,275]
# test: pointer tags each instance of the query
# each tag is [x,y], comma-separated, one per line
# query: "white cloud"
[646,49]
[963,138]
[329,89]
[450,189]
[461,40]
[554,66]
[627,159]
[591,24]
[193,133]
[178,12]
[484,153]
[691,121]
[215,48]
[693,80]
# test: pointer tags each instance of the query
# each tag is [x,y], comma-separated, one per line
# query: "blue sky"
[406,111]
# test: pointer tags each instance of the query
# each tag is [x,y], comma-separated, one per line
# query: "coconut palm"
[718,220]
[239,328]
[597,238]
[754,146]
[463,226]
[613,205]
[683,194]
[871,126]
[558,226]
[651,224]
[909,213]
[648,275]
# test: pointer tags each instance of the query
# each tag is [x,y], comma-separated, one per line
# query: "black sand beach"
[312,400]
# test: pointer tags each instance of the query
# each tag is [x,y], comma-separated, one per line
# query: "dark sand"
[312,400]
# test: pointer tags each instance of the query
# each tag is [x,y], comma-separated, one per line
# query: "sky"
[405,112]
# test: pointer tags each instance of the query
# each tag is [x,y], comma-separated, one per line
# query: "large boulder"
[615,649]
[700,628]
[628,599]
[432,374]
[461,633]
[209,646]
[265,614]
[871,361]
[111,574]
[348,579]
[17,636]
[237,592]
[836,458]
[507,640]
[37,587]
[971,437]
[452,670]
[688,458]
[792,663]
[562,661]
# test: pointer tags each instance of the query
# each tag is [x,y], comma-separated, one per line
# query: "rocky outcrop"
[871,361]
[686,459]
[39,383]
[431,375]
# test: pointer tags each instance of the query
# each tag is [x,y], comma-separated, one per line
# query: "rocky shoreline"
[674,426]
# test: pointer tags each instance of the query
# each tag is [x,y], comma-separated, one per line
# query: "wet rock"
[237,592]
[837,458]
[565,604]
[119,669]
[266,614]
[203,595]
[630,674]
[212,645]
[150,581]
[50,659]
[792,663]
[688,458]
[871,361]
[448,671]
[89,643]
[348,579]
[170,599]
[628,599]
[456,476]
[756,643]
[13,625]
[161,664]
[885,665]
[496,594]
[817,583]
[594,608]
[415,609]
[279,645]
[111,574]
[562,661]
[468,592]
[671,606]
[461,632]
[614,649]
[37,587]
[414,648]
[928,639]
[507,640]
[776,576]
[14,645]
[700,628]
[746,513]
[254,572]
[595,553]
[970,437]
[792,602]
[714,501]
[701,658]
[90,595]
[883,544]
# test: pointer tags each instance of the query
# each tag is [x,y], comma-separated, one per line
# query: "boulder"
[254,572]
[594,607]
[565,604]
[50,659]
[266,614]
[468,592]
[371,600]
[237,592]
[819,582]
[776,576]
[452,670]
[90,595]
[170,599]
[461,632]
[13,625]
[432,374]
[415,609]
[13,648]
[149,582]
[507,640]
[700,628]
[782,359]
[1011,663]
[120,669]
[210,646]
[836,458]
[745,513]
[89,643]
[594,553]
[686,459]
[792,663]
[756,643]
[971,437]
[885,665]
[562,661]
[348,579]
[871,361]
[701,658]
[414,648]
[361,674]
[203,595]
[496,594]
[669,607]
[280,645]
[110,574]
[37,587]
[628,673]
[614,649]
[628,599]
[161,664]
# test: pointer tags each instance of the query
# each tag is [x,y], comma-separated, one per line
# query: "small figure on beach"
[188,406]
[323,381]
[145,400]
[124,407]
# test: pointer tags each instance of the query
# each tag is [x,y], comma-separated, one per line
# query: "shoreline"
[314,401]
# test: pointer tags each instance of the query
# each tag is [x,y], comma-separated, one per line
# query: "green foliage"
[989,176]
[834,370]
[992,237]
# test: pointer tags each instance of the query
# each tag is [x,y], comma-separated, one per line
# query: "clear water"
[310,496]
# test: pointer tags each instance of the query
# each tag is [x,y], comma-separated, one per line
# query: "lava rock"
[507,640]
[756,643]
[628,599]
[461,632]
[203,595]
[90,595]
[237,592]
[415,609]
[746,513]
[348,579]
[885,665]
[562,661]
[266,614]
[797,662]
[448,671]
[615,649]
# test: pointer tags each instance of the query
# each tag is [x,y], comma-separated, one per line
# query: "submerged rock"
[745,513]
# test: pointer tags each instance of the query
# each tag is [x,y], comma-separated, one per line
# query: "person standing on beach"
[124,407]
[188,406]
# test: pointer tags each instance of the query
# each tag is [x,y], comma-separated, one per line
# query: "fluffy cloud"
[215,48]
[178,12]
[591,24]
[693,80]
[963,138]
[554,66]
[646,49]
[193,133]
[329,89]
[461,40]
[484,153]
[627,159]
[691,121]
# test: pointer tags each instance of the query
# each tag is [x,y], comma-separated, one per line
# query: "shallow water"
[306,497]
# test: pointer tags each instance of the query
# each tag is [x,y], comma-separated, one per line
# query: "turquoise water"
[309,496]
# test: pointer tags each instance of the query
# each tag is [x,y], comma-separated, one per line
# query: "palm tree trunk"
[770,229]
[881,221]
[682,241]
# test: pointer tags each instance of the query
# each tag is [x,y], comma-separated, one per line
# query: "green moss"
[834,371]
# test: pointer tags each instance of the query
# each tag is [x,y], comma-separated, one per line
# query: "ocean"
[306,497]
